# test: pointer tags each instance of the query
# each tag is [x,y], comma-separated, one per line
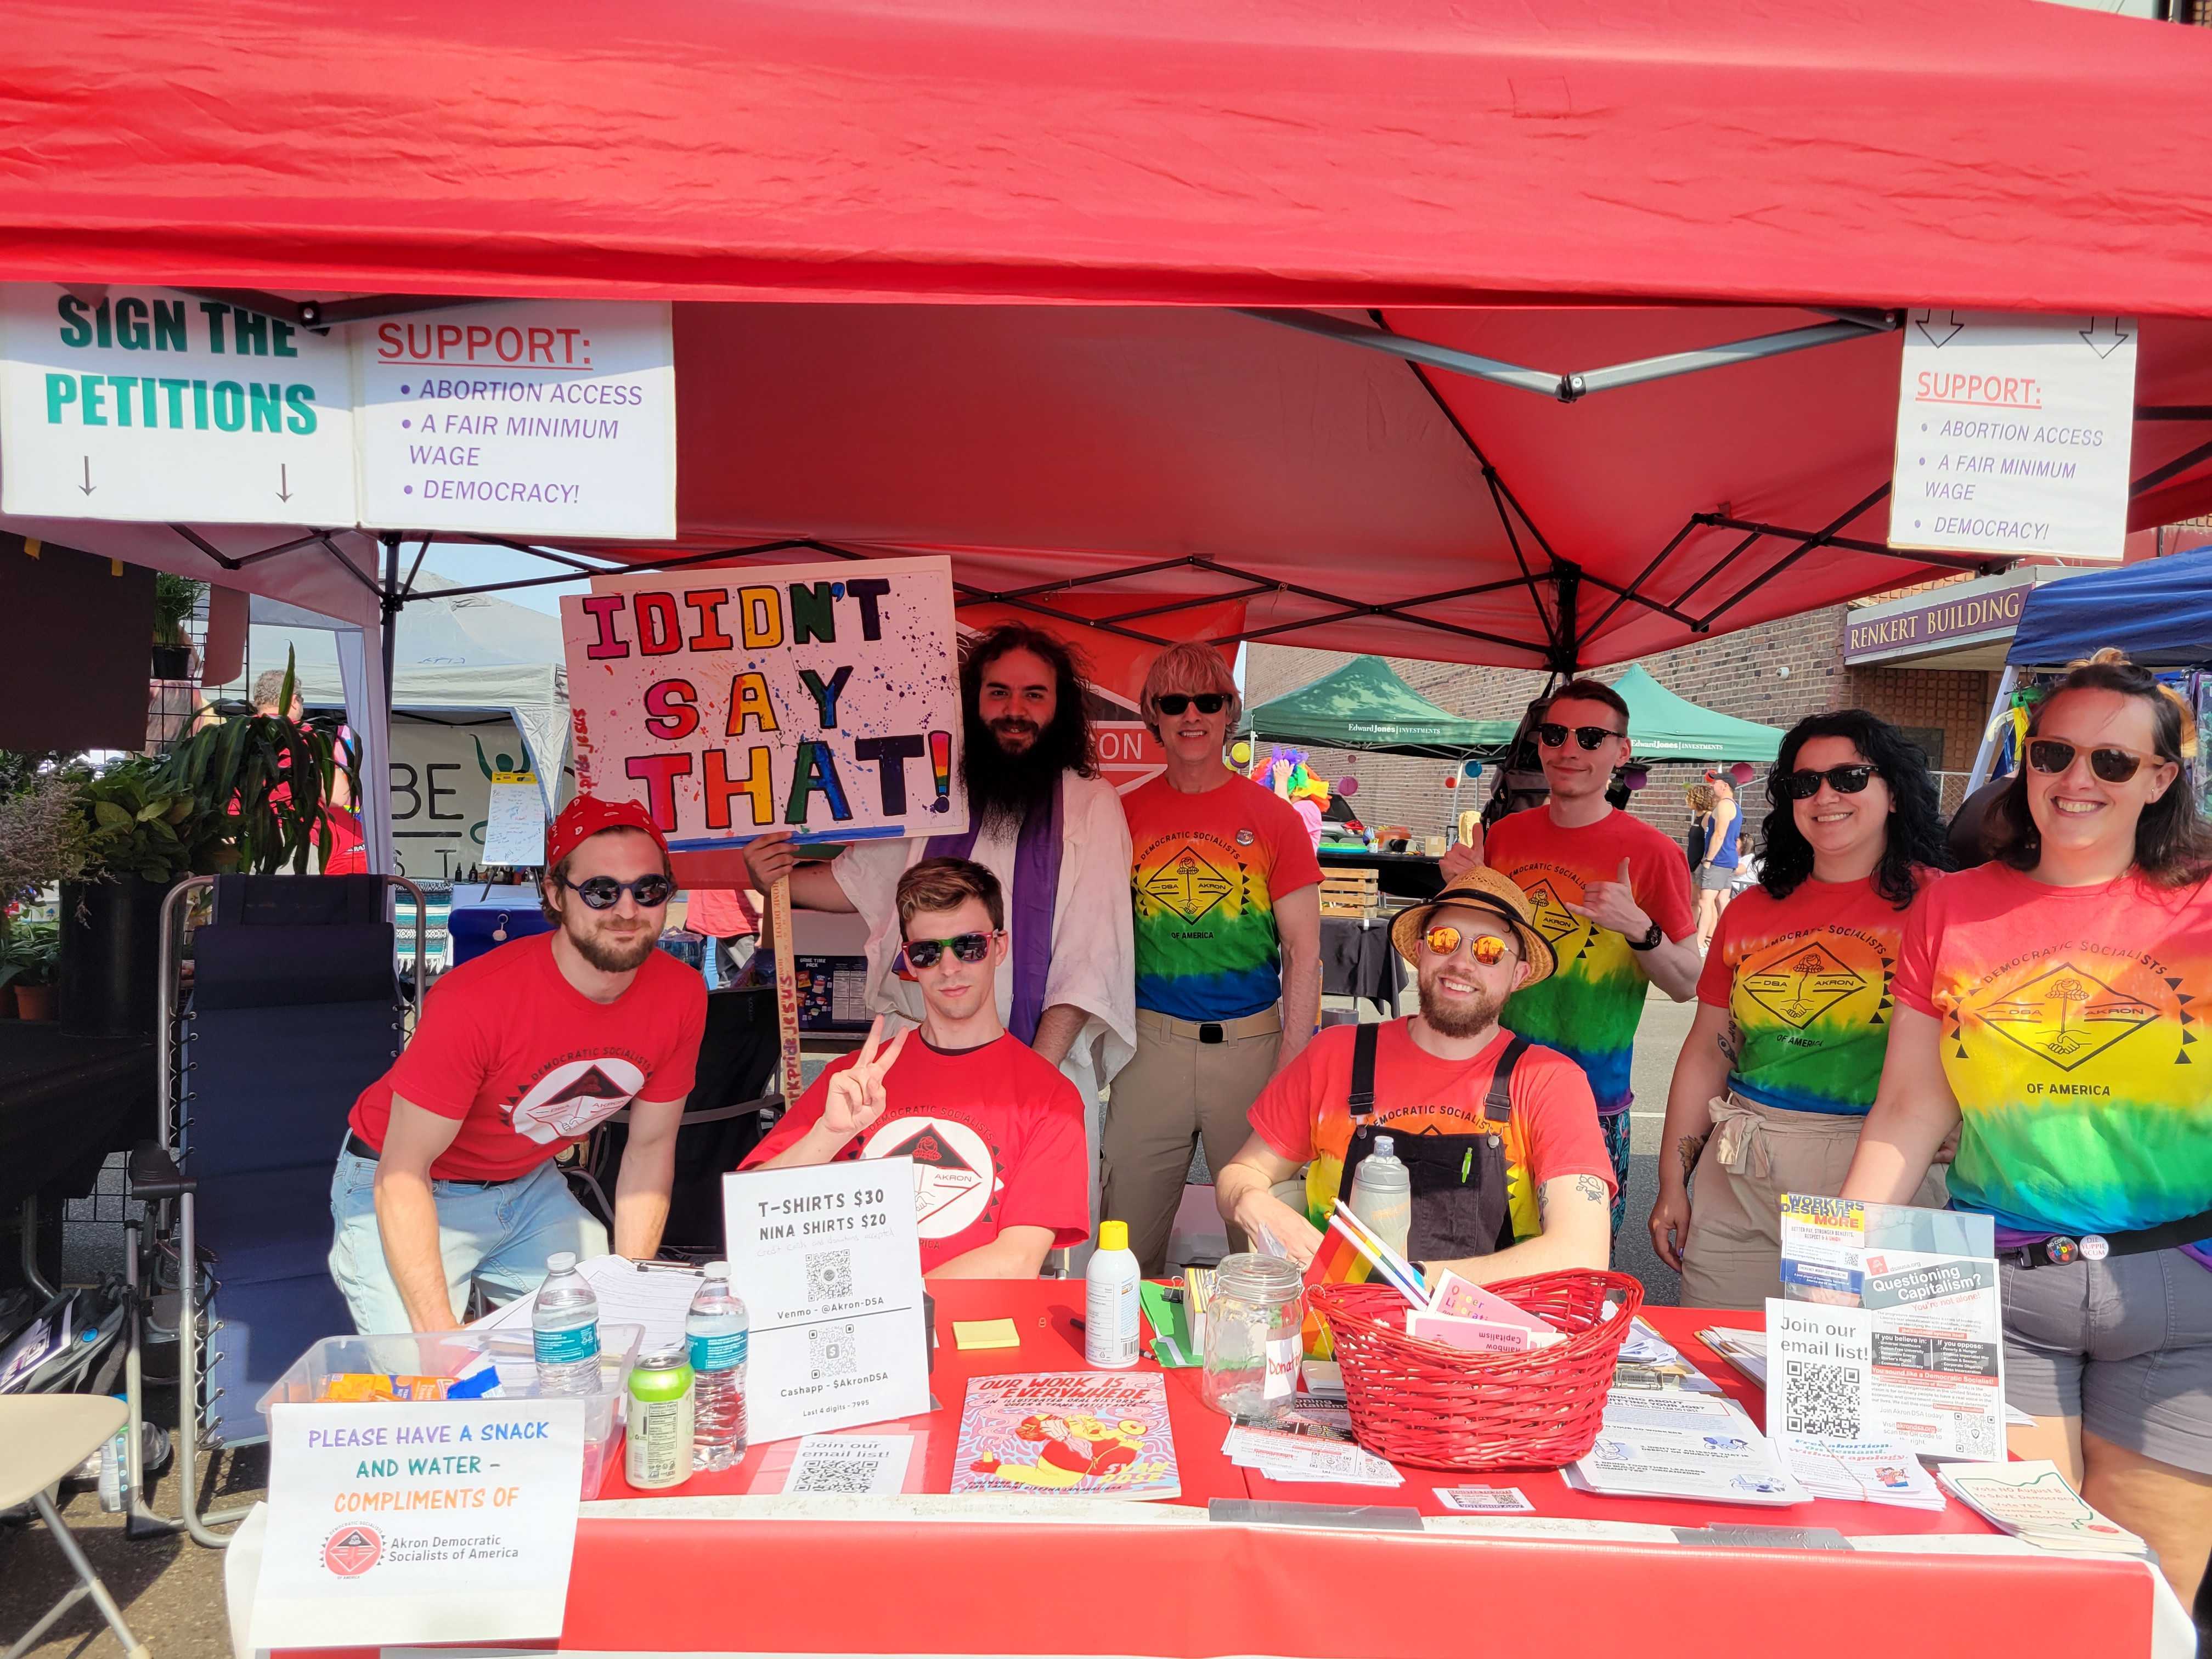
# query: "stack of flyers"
[1682,1445]
[1745,1350]
[1462,1315]
[1296,1452]
[1868,1471]
[2033,1502]
[1650,1361]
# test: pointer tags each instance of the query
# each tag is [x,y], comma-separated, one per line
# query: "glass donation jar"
[1253,1343]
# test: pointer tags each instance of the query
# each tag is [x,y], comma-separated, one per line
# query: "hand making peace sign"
[856,1098]
[1612,904]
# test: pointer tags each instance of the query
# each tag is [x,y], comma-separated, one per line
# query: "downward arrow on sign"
[1939,335]
[284,481]
[88,486]
[2103,341]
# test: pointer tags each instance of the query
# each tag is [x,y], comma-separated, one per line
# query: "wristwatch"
[1650,941]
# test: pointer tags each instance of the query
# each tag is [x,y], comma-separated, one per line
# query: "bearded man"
[1510,1171]
[1043,821]
[447,1176]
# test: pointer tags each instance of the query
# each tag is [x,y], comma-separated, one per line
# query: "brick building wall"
[1776,674]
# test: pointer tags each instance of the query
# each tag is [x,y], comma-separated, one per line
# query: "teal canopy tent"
[1663,727]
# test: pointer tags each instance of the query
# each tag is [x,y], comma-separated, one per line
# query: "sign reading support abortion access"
[2013,433]
[142,403]
[821,698]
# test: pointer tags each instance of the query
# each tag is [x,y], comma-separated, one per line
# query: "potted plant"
[268,777]
[175,598]
[42,841]
[28,968]
[142,837]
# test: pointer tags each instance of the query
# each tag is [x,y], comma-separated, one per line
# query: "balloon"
[1240,752]
[1451,782]
[1740,772]
[1347,786]
[1473,768]
[1633,778]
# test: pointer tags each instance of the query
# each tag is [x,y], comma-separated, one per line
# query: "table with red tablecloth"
[650,1578]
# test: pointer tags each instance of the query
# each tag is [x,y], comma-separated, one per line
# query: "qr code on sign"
[832,1352]
[1821,1400]
[847,1474]
[830,1276]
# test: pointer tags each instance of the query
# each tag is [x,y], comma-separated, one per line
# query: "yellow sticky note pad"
[985,1333]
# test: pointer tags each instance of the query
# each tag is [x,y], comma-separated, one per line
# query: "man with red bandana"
[447,1176]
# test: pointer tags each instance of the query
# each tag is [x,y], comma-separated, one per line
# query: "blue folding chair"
[293,1010]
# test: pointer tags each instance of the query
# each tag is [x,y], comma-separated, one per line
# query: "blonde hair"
[1192,668]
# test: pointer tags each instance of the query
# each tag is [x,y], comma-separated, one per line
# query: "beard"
[1460,1017]
[1006,787]
[604,951]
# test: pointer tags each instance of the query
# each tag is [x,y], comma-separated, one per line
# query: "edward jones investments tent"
[1663,727]
[1364,705]
[1543,337]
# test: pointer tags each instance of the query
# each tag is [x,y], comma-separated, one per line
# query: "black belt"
[2063,1250]
[360,1148]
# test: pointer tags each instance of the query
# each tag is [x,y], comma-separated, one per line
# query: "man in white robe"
[1025,759]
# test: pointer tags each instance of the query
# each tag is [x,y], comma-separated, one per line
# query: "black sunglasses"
[1173,703]
[1551,734]
[604,892]
[968,947]
[1843,780]
[2055,755]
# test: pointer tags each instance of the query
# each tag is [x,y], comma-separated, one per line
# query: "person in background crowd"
[727,916]
[1043,821]
[2050,1011]
[1227,898]
[995,1133]
[448,1176]
[1509,1172]
[1794,1010]
[1723,827]
[349,855]
[1609,892]
[1699,797]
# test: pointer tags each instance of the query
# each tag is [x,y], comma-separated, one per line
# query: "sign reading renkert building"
[1963,614]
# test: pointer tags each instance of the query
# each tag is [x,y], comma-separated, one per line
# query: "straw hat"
[1483,889]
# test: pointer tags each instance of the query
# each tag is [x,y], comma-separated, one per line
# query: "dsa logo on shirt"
[570,1098]
[954,1173]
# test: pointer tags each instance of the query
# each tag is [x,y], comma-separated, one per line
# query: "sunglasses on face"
[1843,780]
[604,892]
[1173,703]
[2056,755]
[968,947]
[1487,949]
[1551,735]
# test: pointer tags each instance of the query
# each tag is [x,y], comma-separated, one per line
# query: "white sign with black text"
[2013,433]
[829,1266]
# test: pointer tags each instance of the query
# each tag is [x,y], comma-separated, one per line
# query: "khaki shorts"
[2125,1344]
[1755,1154]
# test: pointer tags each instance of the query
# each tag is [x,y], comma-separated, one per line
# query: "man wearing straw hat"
[1510,1174]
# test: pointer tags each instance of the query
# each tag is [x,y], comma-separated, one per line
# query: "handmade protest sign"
[821,698]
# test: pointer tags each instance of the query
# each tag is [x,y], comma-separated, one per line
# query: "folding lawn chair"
[293,1010]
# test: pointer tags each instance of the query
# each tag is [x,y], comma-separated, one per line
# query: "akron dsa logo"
[352,1551]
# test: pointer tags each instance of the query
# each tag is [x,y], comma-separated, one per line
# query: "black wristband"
[1650,941]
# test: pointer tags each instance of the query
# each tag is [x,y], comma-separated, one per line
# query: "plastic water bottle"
[719,1331]
[1109,1300]
[115,1468]
[564,1328]
[1382,1194]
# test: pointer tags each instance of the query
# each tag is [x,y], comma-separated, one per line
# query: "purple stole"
[1035,899]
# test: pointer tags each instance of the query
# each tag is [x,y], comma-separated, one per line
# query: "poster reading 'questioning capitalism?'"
[821,698]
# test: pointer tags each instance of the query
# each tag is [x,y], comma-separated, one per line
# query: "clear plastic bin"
[451,1353]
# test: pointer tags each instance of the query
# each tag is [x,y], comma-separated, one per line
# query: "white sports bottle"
[564,1328]
[1382,1194]
[1109,1303]
[719,1330]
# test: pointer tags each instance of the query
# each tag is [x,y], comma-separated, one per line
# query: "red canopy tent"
[1452,226]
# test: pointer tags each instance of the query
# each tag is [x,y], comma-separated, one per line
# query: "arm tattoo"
[1730,1043]
[1543,1203]
[1688,1149]
[1590,1188]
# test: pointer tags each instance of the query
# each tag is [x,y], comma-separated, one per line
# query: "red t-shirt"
[995,1135]
[529,1064]
[1303,1113]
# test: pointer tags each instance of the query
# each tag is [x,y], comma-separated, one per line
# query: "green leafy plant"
[276,772]
[138,823]
[28,956]
[175,598]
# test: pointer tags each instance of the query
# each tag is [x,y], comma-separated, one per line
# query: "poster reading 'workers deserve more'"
[447,1520]
[820,699]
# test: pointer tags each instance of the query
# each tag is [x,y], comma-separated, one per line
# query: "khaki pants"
[1755,1154]
[1177,1090]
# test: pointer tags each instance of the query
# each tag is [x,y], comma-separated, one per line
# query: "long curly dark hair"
[1915,826]
[1002,785]
[2173,846]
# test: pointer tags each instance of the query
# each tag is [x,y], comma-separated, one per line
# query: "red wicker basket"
[1439,1407]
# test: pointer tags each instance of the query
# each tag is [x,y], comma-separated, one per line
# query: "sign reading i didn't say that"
[148,404]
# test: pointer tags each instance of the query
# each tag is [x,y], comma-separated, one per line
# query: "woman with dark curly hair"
[2051,1011]
[1782,1062]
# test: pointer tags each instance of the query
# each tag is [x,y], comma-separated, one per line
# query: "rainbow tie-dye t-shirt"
[1589,1009]
[1805,981]
[1204,873]
[2072,1023]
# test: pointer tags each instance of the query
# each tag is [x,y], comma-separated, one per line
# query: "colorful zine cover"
[1094,1434]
